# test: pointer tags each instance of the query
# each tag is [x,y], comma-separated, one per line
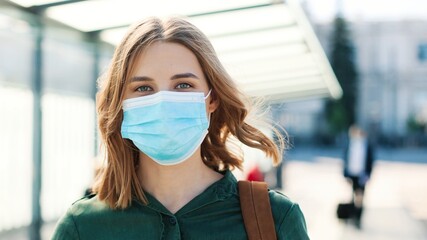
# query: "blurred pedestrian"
[358,163]
[166,110]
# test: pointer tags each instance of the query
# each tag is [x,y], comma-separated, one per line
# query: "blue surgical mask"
[166,126]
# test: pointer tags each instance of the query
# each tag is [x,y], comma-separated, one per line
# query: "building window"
[422,52]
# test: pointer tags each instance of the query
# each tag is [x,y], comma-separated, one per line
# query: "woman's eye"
[144,89]
[183,86]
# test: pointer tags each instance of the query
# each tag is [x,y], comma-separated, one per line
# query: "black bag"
[346,210]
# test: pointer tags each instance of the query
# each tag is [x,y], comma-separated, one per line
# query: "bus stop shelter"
[268,47]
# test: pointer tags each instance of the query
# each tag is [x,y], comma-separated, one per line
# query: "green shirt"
[214,214]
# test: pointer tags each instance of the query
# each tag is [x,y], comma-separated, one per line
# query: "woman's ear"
[213,102]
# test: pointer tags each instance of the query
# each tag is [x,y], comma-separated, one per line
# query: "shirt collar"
[218,191]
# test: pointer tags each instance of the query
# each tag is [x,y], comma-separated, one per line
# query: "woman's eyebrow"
[184,75]
[140,78]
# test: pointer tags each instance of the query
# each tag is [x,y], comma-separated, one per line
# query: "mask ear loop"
[209,93]
[206,97]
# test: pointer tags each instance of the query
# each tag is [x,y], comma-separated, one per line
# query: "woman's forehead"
[165,58]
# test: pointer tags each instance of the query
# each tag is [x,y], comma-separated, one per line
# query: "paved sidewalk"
[395,198]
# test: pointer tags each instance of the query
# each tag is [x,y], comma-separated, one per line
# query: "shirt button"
[172,221]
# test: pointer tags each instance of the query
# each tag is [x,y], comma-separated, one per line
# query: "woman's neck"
[174,186]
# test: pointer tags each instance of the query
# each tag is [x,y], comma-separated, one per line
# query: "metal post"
[96,56]
[36,220]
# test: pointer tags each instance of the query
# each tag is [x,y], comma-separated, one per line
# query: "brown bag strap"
[256,210]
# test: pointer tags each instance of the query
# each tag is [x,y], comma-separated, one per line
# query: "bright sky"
[324,10]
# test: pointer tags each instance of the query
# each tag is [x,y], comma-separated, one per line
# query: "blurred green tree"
[341,113]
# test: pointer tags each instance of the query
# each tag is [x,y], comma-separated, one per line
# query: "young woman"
[167,109]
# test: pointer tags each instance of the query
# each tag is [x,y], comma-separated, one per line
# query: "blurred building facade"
[392,65]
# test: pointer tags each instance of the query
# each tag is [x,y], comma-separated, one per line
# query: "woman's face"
[167,66]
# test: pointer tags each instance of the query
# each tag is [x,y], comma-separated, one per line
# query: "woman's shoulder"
[281,205]
[87,206]
[280,200]
[85,209]
[288,217]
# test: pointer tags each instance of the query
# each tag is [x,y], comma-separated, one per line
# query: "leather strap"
[256,210]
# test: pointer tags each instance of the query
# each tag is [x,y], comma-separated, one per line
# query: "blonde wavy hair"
[118,183]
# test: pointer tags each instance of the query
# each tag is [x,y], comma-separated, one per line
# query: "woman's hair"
[119,183]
